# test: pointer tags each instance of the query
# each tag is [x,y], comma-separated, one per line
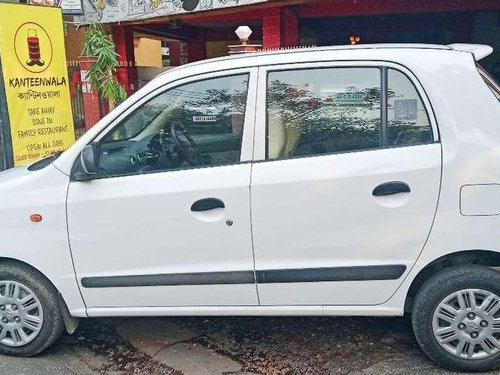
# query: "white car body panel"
[324,215]
[157,206]
[295,310]
[466,113]
[42,245]
[471,151]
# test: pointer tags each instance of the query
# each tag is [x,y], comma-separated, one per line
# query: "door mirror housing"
[89,163]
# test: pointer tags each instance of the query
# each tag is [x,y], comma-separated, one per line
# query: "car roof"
[477,50]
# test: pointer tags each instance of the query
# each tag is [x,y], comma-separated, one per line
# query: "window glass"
[407,120]
[193,125]
[320,111]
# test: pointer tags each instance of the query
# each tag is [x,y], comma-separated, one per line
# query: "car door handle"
[207,204]
[390,188]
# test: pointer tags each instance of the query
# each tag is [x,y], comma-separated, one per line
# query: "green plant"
[97,43]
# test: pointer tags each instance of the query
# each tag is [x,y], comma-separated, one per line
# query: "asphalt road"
[227,345]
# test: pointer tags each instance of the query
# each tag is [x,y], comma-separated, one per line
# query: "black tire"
[53,323]
[432,293]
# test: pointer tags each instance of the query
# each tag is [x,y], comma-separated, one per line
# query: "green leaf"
[97,43]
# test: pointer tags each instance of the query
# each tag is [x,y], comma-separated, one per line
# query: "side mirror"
[89,161]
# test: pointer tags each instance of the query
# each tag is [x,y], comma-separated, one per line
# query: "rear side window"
[330,110]
[407,120]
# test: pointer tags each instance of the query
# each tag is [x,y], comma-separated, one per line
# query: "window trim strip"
[383,107]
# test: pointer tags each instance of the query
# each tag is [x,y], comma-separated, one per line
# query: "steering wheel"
[145,161]
[184,142]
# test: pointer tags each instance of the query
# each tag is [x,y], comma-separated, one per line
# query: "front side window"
[329,110]
[193,125]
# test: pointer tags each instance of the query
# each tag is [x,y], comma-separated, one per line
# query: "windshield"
[490,82]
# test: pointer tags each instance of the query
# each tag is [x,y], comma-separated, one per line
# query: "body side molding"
[302,275]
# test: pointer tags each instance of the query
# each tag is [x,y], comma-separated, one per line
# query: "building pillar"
[126,74]
[178,51]
[271,29]
[280,28]
[290,29]
[174,51]
[196,50]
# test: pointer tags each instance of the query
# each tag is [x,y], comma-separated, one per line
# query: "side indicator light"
[36,218]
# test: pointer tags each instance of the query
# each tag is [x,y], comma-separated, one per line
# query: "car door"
[167,220]
[346,189]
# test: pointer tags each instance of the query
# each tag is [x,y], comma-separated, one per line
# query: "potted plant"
[99,50]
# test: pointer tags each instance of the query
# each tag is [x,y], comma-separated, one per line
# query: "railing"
[76,94]
[77,97]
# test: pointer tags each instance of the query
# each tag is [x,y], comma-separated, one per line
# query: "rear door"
[346,191]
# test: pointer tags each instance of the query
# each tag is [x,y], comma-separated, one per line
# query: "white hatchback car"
[329,181]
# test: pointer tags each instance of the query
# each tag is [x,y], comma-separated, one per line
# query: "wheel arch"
[487,258]
[70,322]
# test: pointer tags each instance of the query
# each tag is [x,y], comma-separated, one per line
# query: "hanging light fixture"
[354,39]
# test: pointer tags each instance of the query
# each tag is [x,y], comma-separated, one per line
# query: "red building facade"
[194,36]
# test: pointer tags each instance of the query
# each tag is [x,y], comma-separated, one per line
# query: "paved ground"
[231,346]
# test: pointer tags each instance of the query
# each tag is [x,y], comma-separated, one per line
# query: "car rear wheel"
[456,318]
[30,319]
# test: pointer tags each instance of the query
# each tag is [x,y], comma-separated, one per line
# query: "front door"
[345,195]
[167,221]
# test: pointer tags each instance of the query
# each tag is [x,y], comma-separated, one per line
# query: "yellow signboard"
[36,81]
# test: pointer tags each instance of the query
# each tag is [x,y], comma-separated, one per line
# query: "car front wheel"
[30,319]
[456,318]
